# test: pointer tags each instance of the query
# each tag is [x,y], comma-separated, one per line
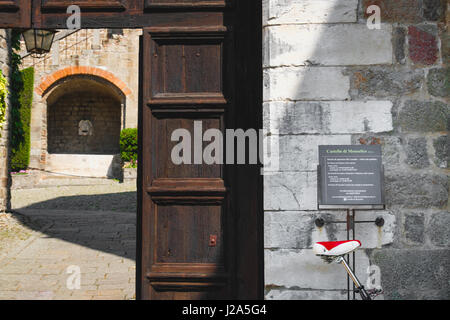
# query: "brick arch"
[77,70]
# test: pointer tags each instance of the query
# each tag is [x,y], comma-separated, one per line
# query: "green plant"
[20,145]
[129,145]
[3,97]
[15,88]
[131,164]
[21,97]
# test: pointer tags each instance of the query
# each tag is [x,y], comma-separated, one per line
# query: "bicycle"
[334,252]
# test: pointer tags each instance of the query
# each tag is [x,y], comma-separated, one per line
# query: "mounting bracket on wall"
[379,221]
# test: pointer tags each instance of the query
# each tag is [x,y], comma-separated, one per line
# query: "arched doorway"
[84,117]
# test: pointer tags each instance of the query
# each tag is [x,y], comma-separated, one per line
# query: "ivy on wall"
[3,97]
[20,147]
[21,98]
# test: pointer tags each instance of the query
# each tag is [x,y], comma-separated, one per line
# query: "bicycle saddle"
[335,248]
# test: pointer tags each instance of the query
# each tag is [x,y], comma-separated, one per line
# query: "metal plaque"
[350,176]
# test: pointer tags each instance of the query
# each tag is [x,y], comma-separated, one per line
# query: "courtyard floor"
[69,242]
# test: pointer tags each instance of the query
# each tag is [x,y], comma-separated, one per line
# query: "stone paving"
[69,250]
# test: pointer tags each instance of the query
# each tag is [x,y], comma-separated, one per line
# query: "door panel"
[179,60]
[120,14]
[182,240]
[97,5]
[94,13]
[187,224]
[165,168]
[15,13]
[11,5]
[184,3]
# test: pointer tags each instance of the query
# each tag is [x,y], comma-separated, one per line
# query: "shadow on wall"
[105,222]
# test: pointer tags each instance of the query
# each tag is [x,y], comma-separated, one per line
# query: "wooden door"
[93,13]
[199,226]
[15,13]
[201,238]
[185,207]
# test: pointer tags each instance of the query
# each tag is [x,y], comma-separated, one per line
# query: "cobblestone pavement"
[106,197]
[57,243]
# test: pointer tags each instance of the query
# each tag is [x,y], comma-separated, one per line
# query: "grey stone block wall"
[329,79]
[64,115]
[4,134]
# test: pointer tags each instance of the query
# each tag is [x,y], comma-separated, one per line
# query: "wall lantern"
[38,41]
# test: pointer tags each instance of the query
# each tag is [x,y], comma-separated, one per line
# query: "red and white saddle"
[335,248]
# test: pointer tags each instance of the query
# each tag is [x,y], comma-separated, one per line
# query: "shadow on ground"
[103,222]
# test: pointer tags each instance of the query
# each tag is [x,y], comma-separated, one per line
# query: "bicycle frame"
[359,287]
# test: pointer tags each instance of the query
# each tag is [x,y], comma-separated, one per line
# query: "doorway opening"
[73,208]
[83,127]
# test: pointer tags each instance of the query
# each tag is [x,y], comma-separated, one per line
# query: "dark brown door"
[201,223]
[15,13]
[94,13]
[200,226]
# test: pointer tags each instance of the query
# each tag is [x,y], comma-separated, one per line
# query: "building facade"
[330,78]
[4,132]
[89,81]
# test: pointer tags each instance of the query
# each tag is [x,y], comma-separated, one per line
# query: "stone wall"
[65,114]
[329,79]
[115,56]
[4,134]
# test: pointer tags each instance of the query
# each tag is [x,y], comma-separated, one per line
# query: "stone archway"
[83,110]
[50,81]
